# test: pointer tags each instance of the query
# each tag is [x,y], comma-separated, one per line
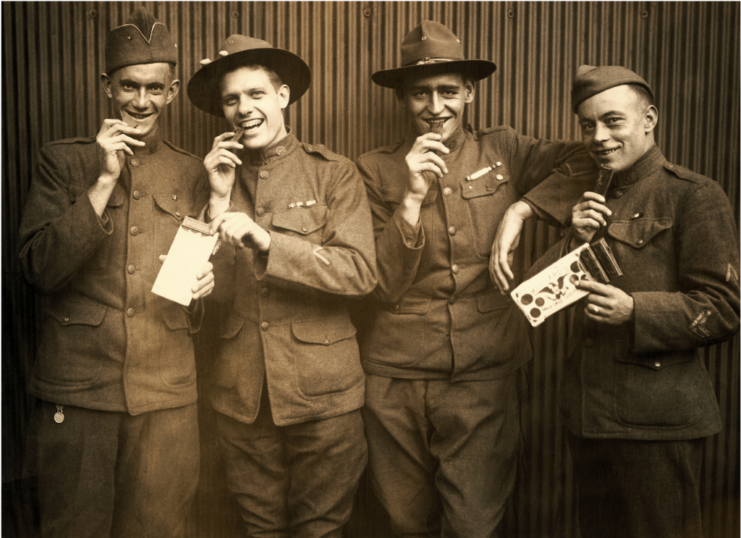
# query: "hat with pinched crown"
[140,40]
[239,50]
[592,80]
[429,49]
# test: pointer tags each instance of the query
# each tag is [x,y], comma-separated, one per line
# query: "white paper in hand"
[189,252]
[552,289]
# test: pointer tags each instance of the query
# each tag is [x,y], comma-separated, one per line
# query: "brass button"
[135,162]
[177,213]
[304,229]
[447,191]
[134,230]
[452,230]
[617,194]
[657,365]
[326,340]
[264,174]
[137,195]
[500,177]
[397,307]
[280,150]
[452,300]
[130,312]
[264,325]
[640,241]
[489,188]
[455,268]
[66,319]
[131,269]
[260,212]
[174,196]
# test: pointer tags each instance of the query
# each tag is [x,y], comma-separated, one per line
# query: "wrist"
[217,205]
[522,210]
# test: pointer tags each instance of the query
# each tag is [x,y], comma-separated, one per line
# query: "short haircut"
[643,94]
[275,80]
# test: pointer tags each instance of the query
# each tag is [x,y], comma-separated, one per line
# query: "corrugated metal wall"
[689,52]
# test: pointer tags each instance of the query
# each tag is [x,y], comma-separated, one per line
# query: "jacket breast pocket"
[303,222]
[486,200]
[639,234]
[171,209]
[326,356]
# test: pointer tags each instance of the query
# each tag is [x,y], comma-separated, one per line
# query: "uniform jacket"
[288,322]
[437,315]
[109,343]
[673,234]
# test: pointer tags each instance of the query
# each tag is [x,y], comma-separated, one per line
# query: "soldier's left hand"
[205,284]
[606,304]
[239,230]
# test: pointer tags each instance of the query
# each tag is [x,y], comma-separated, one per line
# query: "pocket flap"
[175,318]
[489,301]
[78,313]
[638,233]
[302,220]
[231,327]
[481,187]
[175,205]
[323,331]
[411,304]
[659,361]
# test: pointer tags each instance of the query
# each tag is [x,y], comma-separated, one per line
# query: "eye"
[587,127]
[614,121]
[450,93]
[127,87]
[229,101]
[258,94]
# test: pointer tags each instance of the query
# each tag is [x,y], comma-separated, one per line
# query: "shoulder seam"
[180,150]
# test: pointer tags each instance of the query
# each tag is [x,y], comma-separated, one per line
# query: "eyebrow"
[130,82]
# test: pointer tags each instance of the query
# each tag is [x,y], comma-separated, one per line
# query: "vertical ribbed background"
[689,53]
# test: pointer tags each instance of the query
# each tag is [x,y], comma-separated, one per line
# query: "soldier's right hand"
[220,163]
[423,161]
[112,138]
[587,216]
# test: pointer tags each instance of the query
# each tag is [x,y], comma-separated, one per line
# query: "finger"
[588,223]
[589,195]
[222,137]
[592,287]
[435,145]
[429,167]
[592,316]
[208,268]
[108,123]
[225,155]
[128,140]
[202,283]
[435,159]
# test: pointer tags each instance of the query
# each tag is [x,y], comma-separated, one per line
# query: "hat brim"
[203,87]
[393,78]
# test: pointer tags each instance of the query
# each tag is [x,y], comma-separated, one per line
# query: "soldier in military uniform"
[295,222]
[636,396]
[115,433]
[444,346]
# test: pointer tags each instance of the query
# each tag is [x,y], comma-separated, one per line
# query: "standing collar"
[279,149]
[645,165]
[152,141]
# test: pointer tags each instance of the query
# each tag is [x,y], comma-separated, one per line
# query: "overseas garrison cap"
[140,40]
[593,80]
[429,49]
[239,50]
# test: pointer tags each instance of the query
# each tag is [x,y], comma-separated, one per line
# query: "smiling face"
[253,98]
[436,103]
[617,126]
[140,93]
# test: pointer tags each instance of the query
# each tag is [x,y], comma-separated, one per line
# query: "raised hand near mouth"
[221,163]
[424,163]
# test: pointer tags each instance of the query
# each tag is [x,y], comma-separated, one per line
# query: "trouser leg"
[327,458]
[75,462]
[638,489]
[157,473]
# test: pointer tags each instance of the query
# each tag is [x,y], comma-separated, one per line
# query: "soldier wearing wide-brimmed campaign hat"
[444,346]
[636,397]
[114,436]
[298,241]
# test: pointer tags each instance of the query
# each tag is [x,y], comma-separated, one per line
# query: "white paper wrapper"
[552,289]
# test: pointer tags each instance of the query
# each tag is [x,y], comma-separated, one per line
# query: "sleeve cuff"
[411,235]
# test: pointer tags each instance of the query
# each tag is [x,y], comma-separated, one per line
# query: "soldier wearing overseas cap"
[444,346]
[636,396]
[288,385]
[115,434]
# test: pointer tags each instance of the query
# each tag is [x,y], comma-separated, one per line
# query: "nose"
[601,133]
[141,101]
[435,105]
[245,106]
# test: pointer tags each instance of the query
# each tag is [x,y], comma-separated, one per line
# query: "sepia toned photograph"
[371,269]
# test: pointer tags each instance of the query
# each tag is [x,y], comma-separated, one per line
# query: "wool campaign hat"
[140,40]
[237,51]
[592,80]
[428,49]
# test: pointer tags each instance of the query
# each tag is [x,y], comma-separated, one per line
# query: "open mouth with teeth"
[606,152]
[436,124]
[251,125]
[138,117]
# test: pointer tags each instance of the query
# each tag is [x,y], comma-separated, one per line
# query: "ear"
[650,118]
[470,91]
[106,81]
[284,95]
[173,90]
